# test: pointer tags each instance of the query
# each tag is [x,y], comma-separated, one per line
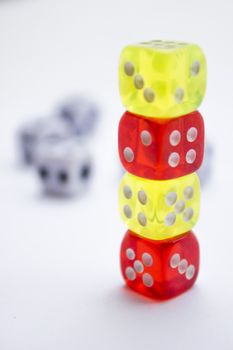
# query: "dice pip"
[161,146]
[64,168]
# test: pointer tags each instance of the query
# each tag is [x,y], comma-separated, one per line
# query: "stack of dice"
[161,143]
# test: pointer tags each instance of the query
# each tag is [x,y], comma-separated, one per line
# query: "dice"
[159,210]
[80,113]
[32,133]
[162,79]
[161,149]
[64,167]
[159,269]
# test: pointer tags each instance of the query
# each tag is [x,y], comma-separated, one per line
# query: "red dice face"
[160,269]
[161,149]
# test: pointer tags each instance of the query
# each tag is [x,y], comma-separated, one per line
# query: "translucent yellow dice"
[159,209]
[162,78]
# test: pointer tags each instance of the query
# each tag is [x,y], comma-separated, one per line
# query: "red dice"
[160,269]
[161,148]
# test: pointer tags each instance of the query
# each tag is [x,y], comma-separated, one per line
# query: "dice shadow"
[44,196]
[127,295]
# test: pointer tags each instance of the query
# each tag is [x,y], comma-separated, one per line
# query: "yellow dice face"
[162,79]
[159,209]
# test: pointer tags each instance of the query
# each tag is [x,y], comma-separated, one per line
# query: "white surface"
[60,284]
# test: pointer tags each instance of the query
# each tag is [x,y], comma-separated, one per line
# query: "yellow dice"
[162,79]
[159,209]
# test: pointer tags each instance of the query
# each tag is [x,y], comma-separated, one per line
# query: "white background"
[60,284]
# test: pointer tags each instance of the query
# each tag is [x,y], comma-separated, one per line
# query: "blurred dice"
[40,130]
[56,146]
[77,116]
[80,113]
[64,168]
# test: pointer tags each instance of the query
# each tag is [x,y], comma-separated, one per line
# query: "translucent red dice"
[161,148]
[160,269]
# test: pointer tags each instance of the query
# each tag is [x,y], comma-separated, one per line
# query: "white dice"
[64,167]
[32,133]
[80,113]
